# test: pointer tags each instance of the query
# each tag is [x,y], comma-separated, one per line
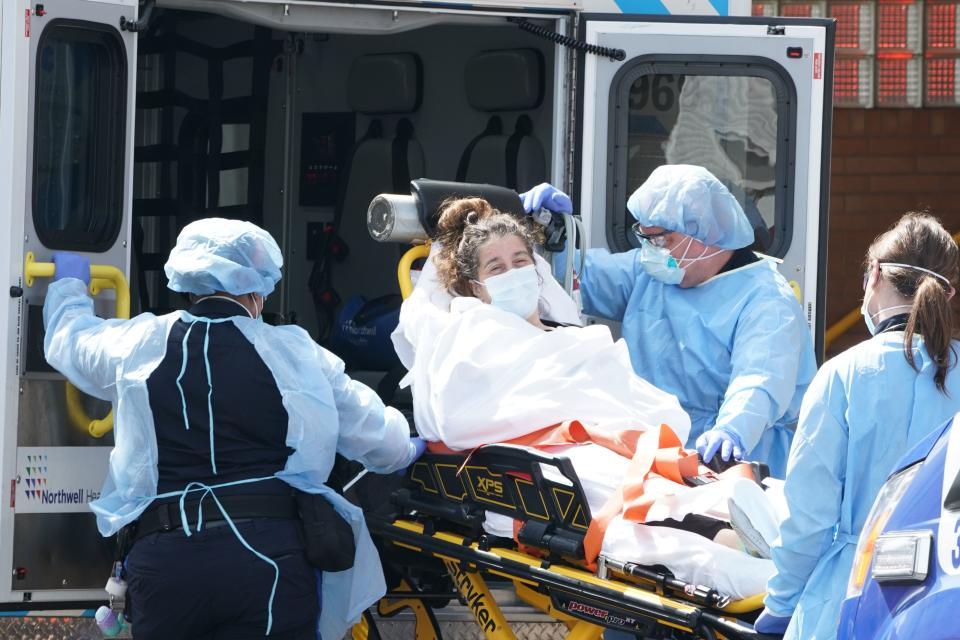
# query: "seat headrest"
[385,83]
[432,194]
[506,80]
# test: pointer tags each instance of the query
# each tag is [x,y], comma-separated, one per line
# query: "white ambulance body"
[294,114]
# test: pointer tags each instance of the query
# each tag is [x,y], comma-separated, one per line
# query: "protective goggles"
[658,239]
[866,276]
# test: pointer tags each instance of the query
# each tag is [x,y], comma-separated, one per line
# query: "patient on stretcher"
[502,359]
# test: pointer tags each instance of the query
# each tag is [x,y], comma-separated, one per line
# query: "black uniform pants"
[210,587]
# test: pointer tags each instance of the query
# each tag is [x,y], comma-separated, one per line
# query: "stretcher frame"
[443,502]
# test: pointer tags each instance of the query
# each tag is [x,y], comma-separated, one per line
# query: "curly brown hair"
[466,224]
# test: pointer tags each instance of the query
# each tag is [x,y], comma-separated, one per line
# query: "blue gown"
[735,350]
[863,411]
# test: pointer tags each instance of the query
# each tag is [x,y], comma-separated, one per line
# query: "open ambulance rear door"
[68,82]
[747,98]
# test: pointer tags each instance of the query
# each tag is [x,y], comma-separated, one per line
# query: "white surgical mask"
[516,291]
[258,302]
[868,317]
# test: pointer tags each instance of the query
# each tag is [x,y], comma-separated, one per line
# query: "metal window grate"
[900,26]
[942,82]
[898,81]
[797,10]
[890,53]
[853,82]
[942,26]
[892,26]
[846,78]
[768,8]
[848,17]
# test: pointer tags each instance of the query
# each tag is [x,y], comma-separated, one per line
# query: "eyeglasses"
[658,239]
[867,274]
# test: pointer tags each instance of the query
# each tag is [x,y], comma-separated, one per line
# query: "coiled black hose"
[137,26]
[567,41]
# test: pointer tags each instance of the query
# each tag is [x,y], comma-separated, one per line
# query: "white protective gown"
[328,412]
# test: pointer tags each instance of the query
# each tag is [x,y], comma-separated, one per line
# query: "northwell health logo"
[36,477]
[40,489]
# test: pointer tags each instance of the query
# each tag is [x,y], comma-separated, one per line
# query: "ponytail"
[920,259]
[932,318]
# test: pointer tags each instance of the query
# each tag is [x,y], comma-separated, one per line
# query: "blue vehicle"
[905,581]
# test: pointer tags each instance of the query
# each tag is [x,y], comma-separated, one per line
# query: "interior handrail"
[406,265]
[102,276]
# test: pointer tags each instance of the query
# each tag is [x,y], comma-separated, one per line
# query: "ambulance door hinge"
[136,26]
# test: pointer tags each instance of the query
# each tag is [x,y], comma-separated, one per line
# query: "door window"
[78,141]
[735,120]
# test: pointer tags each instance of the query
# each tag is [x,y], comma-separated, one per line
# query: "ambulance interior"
[293,130]
[299,131]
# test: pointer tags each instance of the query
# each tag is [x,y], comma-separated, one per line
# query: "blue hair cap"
[689,199]
[216,254]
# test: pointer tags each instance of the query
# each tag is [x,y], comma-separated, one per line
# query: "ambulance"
[121,121]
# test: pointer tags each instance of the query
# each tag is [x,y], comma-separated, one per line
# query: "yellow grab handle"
[96,427]
[796,290]
[406,263]
[102,277]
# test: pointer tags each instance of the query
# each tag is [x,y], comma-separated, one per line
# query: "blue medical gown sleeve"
[607,282]
[769,344]
[370,433]
[84,348]
[816,472]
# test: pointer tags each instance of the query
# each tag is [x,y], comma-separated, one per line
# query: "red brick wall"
[884,163]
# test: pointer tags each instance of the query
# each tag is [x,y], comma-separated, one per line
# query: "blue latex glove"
[419,446]
[770,623]
[728,443]
[71,265]
[547,196]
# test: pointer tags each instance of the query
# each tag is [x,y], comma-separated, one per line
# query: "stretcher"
[435,549]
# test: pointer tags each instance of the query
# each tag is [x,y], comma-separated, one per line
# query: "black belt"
[166,516]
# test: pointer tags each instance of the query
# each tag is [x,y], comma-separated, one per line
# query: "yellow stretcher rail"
[851,319]
[101,277]
[467,562]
